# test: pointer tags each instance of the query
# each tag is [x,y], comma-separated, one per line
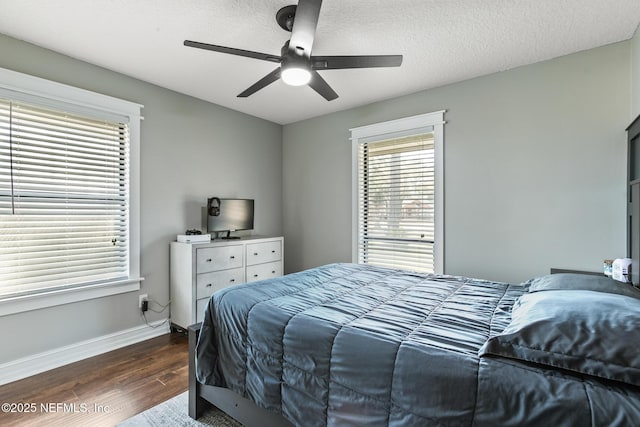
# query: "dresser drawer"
[208,283]
[264,271]
[258,253]
[218,258]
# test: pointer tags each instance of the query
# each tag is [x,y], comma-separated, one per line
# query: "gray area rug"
[174,412]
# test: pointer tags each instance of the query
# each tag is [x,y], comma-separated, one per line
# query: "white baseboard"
[41,362]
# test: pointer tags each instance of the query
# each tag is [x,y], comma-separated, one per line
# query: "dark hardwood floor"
[103,390]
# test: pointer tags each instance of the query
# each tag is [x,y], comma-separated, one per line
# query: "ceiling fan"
[297,66]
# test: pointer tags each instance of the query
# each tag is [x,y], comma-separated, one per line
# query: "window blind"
[64,199]
[396,201]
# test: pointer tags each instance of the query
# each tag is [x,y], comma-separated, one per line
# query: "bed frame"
[202,396]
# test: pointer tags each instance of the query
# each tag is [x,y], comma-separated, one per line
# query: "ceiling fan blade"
[233,51]
[319,84]
[366,61]
[265,81]
[304,27]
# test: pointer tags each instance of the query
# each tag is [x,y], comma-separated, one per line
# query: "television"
[228,215]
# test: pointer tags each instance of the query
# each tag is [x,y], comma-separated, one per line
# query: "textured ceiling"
[443,41]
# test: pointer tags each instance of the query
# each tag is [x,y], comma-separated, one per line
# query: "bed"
[354,345]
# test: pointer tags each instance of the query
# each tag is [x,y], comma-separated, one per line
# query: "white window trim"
[40,91]
[395,129]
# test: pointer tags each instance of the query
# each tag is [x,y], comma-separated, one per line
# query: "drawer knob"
[232,280]
[255,275]
[273,272]
[233,257]
[208,285]
[273,251]
[255,253]
[208,260]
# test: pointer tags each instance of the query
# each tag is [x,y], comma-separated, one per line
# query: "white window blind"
[397,193]
[64,199]
[396,199]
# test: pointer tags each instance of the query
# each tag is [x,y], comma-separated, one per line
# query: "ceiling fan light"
[296,76]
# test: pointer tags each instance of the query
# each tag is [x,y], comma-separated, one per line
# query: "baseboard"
[41,362]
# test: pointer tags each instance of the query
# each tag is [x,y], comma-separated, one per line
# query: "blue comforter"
[355,345]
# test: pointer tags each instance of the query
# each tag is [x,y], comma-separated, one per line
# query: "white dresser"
[197,270]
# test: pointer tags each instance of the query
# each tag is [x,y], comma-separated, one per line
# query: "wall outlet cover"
[143,297]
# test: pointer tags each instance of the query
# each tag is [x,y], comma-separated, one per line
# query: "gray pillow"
[591,333]
[581,282]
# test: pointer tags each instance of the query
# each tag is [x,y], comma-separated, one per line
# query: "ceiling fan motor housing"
[296,71]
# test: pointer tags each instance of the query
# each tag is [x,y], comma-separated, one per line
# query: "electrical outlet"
[143,297]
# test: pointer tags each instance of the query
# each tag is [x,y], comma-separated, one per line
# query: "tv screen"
[229,215]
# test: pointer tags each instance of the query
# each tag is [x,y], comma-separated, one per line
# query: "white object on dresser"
[193,238]
[198,270]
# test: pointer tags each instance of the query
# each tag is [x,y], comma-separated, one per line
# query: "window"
[68,192]
[397,193]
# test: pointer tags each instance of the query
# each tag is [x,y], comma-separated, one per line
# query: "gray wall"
[635,74]
[534,169]
[190,149]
